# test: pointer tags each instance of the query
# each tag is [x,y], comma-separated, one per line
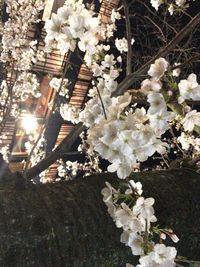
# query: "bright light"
[29,124]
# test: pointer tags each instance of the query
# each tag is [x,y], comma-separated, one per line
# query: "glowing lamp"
[29,124]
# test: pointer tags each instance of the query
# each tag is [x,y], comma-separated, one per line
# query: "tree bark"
[66,224]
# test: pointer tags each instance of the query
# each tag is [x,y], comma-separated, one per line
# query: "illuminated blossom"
[158,69]
[190,89]
[191,120]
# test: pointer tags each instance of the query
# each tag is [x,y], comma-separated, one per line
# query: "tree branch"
[65,146]
[129,37]
[127,82]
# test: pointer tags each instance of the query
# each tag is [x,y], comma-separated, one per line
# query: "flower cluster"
[186,89]
[176,5]
[15,44]
[40,150]
[105,71]
[187,141]
[135,215]
[5,152]
[3,93]
[124,135]
[107,29]
[60,85]
[189,89]
[92,163]
[128,138]
[72,23]
[26,84]
[121,135]
[68,170]
[122,44]
[69,113]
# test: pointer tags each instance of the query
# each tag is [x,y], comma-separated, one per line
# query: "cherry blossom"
[190,89]
[191,119]
[158,69]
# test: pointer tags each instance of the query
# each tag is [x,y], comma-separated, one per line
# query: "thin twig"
[127,82]
[102,104]
[129,37]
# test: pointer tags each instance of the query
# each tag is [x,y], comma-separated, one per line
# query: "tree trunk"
[66,224]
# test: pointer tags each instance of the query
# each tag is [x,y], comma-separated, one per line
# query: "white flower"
[115,15]
[146,261]
[72,23]
[122,167]
[107,192]
[124,142]
[53,27]
[110,131]
[119,104]
[65,42]
[111,85]
[119,59]
[184,140]
[77,23]
[56,83]
[125,218]
[143,152]
[156,3]
[139,116]
[151,85]
[112,74]
[61,171]
[160,146]
[111,209]
[134,241]
[171,9]
[157,103]
[161,256]
[176,72]
[180,2]
[191,119]
[121,45]
[159,121]
[142,136]
[144,207]
[134,187]
[69,113]
[158,69]
[190,89]
[180,99]
[88,42]
[5,151]
[162,253]
[96,69]
[63,13]
[108,61]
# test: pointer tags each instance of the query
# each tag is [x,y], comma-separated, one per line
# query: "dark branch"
[64,147]
[129,37]
[128,81]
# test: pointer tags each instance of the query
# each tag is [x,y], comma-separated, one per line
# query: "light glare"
[29,124]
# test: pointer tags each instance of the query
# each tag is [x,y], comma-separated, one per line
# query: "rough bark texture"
[66,224]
